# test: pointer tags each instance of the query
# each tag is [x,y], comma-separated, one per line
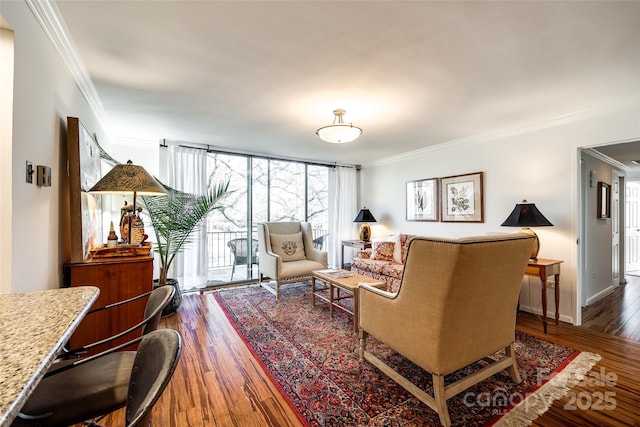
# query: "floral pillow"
[382,250]
[397,251]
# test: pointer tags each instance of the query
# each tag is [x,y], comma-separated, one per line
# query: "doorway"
[632,228]
[617,218]
[614,307]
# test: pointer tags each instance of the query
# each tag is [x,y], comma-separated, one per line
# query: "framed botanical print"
[461,198]
[422,200]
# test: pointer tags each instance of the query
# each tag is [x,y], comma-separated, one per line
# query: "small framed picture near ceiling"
[462,198]
[422,200]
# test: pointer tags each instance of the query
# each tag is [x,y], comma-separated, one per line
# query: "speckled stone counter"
[33,328]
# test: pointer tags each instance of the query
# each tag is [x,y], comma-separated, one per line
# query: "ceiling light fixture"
[339,132]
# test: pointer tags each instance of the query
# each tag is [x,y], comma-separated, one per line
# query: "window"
[261,190]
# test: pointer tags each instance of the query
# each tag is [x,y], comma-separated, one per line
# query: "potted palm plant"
[174,217]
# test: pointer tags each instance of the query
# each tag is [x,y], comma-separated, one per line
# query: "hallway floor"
[618,313]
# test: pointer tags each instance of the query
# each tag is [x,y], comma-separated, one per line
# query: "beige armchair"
[287,253]
[456,305]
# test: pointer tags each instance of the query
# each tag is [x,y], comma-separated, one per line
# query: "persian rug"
[314,361]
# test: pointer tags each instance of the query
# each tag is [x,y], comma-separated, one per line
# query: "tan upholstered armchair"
[287,253]
[456,305]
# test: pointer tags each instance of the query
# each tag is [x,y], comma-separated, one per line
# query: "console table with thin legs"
[543,268]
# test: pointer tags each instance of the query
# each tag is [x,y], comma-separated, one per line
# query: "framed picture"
[604,200]
[86,208]
[422,200]
[462,198]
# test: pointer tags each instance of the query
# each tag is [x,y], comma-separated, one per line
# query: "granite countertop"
[34,326]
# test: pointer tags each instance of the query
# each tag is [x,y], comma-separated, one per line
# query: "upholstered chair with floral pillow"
[287,253]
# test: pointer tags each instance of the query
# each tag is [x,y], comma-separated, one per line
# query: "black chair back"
[154,365]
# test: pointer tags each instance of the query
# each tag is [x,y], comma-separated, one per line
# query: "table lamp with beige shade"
[128,179]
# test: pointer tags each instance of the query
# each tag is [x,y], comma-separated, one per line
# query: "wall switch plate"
[44,176]
[29,172]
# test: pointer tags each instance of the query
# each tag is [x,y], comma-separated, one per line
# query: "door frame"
[583,235]
[627,182]
[621,220]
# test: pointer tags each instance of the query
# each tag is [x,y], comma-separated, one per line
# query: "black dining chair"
[158,300]
[97,385]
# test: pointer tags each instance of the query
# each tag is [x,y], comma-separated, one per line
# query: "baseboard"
[551,315]
[603,293]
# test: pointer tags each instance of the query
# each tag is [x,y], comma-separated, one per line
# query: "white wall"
[597,281]
[540,165]
[634,176]
[45,93]
[6,138]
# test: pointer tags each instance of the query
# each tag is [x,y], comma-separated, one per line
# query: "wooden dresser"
[118,278]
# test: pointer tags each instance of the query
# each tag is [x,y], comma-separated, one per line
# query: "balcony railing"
[221,258]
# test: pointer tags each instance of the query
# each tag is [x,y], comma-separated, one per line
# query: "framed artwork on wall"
[422,200]
[462,198]
[84,172]
[604,200]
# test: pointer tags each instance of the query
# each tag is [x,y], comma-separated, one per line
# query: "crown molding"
[48,16]
[598,155]
[576,116]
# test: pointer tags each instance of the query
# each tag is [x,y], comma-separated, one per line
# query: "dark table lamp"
[128,179]
[365,216]
[527,215]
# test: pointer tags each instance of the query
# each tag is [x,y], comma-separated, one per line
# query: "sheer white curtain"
[187,171]
[343,208]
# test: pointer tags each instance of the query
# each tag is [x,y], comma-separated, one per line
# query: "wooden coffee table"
[340,280]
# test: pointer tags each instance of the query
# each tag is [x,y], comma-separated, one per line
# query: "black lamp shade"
[365,215]
[526,215]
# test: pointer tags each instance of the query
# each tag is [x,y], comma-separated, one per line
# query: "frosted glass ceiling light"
[339,132]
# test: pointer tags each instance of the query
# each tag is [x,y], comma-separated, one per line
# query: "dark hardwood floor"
[618,313]
[219,383]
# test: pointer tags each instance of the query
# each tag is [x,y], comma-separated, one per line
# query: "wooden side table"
[342,280]
[358,244]
[544,268]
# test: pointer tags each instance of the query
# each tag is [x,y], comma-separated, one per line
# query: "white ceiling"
[262,76]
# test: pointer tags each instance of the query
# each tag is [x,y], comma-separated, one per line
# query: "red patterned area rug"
[314,361]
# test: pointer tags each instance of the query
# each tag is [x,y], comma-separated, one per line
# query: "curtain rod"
[210,149]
